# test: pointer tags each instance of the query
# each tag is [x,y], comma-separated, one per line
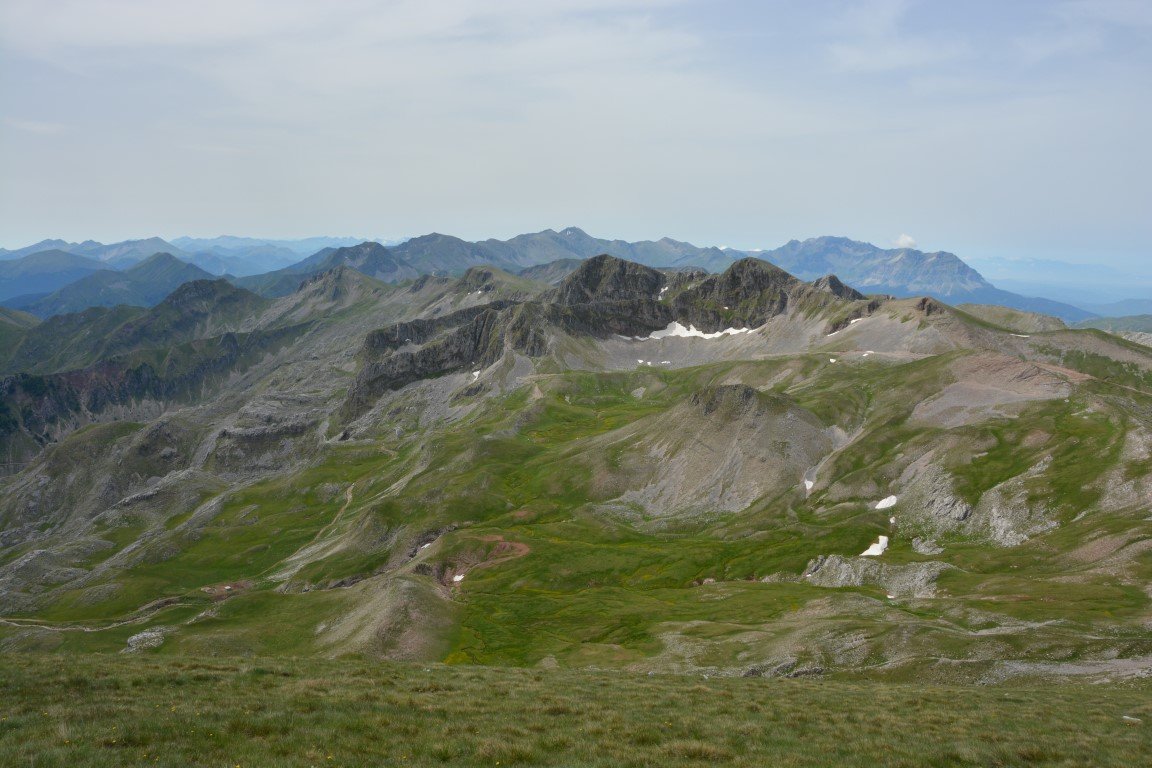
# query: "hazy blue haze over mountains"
[1086,285]
[143,285]
[43,272]
[236,256]
[902,272]
[274,268]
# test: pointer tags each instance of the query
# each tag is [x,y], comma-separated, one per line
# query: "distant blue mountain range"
[273,267]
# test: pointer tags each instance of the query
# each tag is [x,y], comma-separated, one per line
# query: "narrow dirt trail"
[140,618]
[320,546]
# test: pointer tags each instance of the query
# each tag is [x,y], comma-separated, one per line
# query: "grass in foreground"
[115,710]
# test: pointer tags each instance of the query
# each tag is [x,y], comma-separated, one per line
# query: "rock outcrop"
[911,580]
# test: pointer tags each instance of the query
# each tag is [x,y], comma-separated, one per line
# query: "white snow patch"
[853,322]
[808,485]
[885,503]
[640,362]
[831,359]
[475,375]
[891,597]
[869,352]
[460,577]
[1021,336]
[876,549]
[675,329]
[892,520]
[663,291]
[425,546]
[665,362]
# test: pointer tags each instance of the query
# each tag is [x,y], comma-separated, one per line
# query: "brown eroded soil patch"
[495,550]
[991,385]
[227,589]
[504,549]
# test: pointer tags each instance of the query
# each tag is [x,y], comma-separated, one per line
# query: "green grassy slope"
[112,711]
[1014,319]
[518,499]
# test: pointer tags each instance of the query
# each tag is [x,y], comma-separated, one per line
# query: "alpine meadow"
[554,499]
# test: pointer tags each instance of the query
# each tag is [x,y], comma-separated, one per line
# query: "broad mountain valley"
[566,501]
[593,463]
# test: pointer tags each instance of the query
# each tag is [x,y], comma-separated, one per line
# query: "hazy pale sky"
[992,129]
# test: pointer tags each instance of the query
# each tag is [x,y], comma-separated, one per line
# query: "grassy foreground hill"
[112,711]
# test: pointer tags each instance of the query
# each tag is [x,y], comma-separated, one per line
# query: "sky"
[1009,133]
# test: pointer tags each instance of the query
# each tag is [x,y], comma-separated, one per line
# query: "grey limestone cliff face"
[604,297]
[476,338]
[751,292]
[44,409]
[421,331]
[392,359]
[911,580]
[1005,515]
[745,295]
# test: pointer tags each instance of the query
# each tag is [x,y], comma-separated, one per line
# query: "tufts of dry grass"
[115,710]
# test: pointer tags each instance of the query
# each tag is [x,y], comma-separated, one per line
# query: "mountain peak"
[368,247]
[166,268]
[162,258]
[757,270]
[904,271]
[340,276]
[607,278]
[203,290]
[832,284]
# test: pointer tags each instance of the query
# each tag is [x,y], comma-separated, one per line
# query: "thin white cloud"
[870,18]
[1083,27]
[627,117]
[905,241]
[1126,13]
[893,55]
[40,127]
[1040,47]
[34,25]
[292,60]
[872,39]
